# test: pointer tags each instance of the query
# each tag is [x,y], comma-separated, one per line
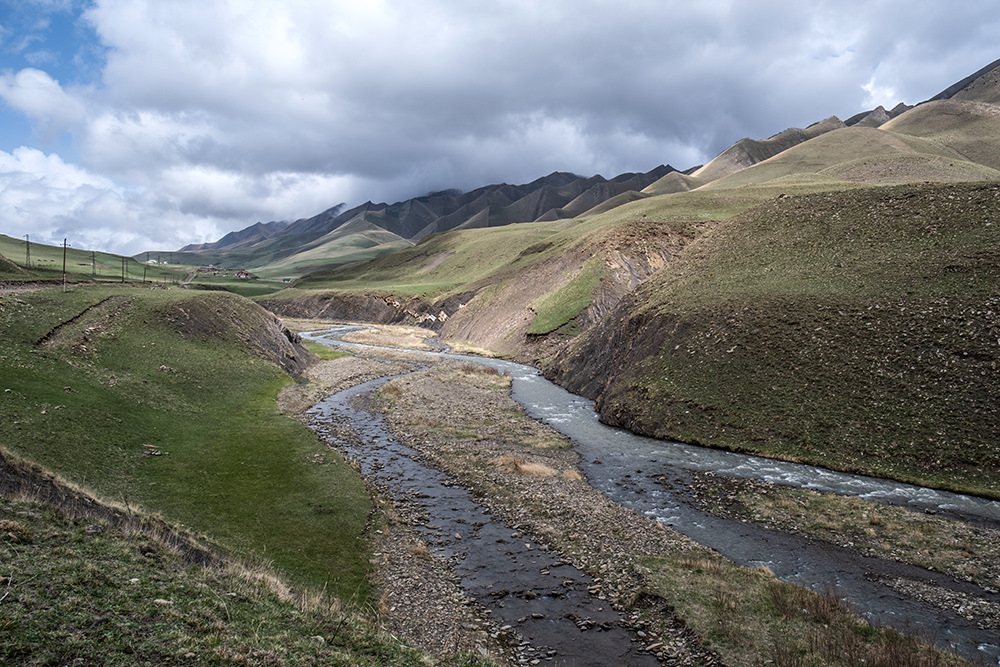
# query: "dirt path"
[23,288]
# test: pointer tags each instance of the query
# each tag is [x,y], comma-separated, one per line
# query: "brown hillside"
[748,152]
[971,129]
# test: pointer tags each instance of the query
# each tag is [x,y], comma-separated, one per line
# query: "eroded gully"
[650,476]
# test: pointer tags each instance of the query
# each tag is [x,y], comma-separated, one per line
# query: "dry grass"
[388,335]
[533,468]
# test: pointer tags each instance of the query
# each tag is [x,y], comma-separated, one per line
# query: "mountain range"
[828,294]
[337,236]
[901,144]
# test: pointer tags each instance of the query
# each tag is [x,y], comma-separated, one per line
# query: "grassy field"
[156,398]
[245,287]
[47,262]
[855,330]
[77,591]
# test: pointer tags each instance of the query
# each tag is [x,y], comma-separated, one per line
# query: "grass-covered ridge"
[47,262]
[856,330]
[163,399]
[558,308]
[80,591]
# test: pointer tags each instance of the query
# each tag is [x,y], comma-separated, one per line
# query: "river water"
[630,469]
[544,602]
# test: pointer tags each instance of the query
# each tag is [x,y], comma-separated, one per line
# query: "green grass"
[441,265]
[325,352]
[170,370]
[558,308]
[121,596]
[47,262]
[245,287]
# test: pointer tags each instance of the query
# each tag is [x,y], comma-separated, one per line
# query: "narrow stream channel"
[543,601]
[630,469]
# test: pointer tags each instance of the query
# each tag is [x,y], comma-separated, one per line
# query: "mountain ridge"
[555,196]
[563,195]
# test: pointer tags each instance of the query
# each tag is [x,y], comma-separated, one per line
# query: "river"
[629,469]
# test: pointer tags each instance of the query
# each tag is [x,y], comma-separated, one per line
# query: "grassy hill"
[81,589]
[856,330]
[865,155]
[47,262]
[337,237]
[9,269]
[841,301]
[164,399]
[500,287]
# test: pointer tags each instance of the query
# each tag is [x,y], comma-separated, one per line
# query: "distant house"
[243,274]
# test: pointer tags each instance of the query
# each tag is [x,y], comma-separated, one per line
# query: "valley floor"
[683,603]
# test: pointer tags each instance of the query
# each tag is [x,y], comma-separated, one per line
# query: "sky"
[136,125]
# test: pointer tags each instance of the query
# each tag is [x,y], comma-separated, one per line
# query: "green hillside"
[788,308]
[164,399]
[47,262]
[856,330]
[9,269]
[356,241]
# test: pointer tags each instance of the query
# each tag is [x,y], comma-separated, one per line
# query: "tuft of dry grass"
[534,468]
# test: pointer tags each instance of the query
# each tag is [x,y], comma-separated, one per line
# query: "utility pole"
[143,274]
[123,269]
[65,245]
[27,251]
[93,263]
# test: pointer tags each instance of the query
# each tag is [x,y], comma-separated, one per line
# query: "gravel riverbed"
[461,419]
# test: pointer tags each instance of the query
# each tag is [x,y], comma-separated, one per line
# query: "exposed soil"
[22,287]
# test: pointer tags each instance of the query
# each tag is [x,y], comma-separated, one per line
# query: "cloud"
[41,98]
[45,197]
[210,115]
